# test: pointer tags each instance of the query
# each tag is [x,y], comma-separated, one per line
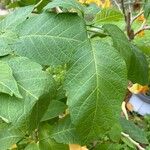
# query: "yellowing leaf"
[106,4]
[137,88]
[77,147]
[141,34]
[141,18]
[14,146]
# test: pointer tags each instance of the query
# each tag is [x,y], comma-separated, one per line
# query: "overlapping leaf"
[8,136]
[135,60]
[46,142]
[65,132]
[108,15]
[65,4]
[95,85]
[55,108]
[50,38]
[8,84]
[33,83]
[7,36]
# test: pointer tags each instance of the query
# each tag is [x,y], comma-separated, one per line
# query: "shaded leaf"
[135,60]
[33,83]
[65,132]
[46,142]
[8,84]
[9,136]
[55,108]
[134,131]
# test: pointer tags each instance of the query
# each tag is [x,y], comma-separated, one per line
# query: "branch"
[134,142]
[117,4]
[123,10]
[134,18]
[142,28]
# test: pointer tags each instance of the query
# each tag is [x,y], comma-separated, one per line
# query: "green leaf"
[9,136]
[134,59]
[65,132]
[50,39]
[65,4]
[108,15]
[46,142]
[115,133]
[8,84]
[138,71]
[14,19]
[147,9]
[120,42]
[134,131]
[7,37]
[55,108]
[95,85]
[33,83]
[108,146]
[32,146]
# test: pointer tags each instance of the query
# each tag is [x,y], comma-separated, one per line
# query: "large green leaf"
[7,37]
[108,15]
[15,18]
[8,84]
[33,83]
[65,4]
[135,60]
[134,131]
[95,84]
[9,136]
[50,38]
[65,132]
[46,142]
[55,109]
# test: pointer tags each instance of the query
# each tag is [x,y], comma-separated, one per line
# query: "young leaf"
[55,108]
[9,136]
[65,132]
[8,83]
[108,15]
[33,83]
[134,131]
[50,38]
[45,140]
[95,85]
[65,4]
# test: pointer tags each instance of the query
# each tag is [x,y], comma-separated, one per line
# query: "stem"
[142,29]
[134,142]
[134,18]
[117,4]
[38,4]
[123,10]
